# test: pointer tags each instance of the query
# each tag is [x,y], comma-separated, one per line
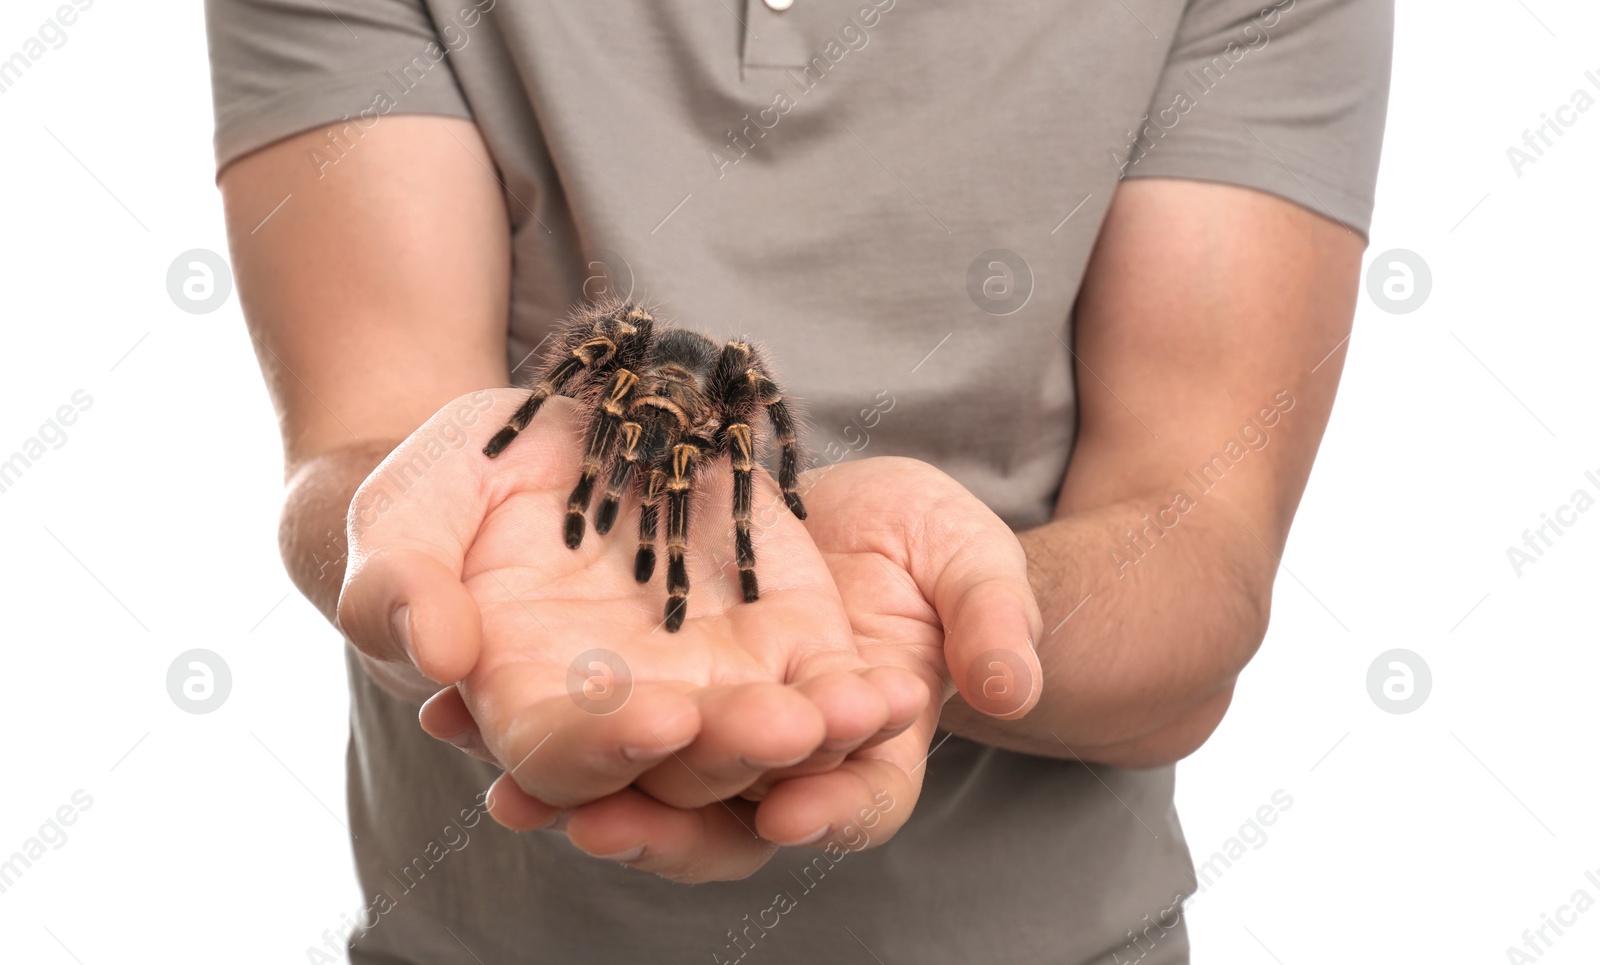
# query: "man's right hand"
[457,565]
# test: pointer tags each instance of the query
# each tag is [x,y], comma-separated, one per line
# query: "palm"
[572,647]
[922,564]
[544,604]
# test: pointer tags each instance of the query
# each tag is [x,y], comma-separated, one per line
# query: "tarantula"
[661,405]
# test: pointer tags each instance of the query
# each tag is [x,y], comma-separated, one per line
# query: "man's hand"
[457,565]
[932,582]
[912,552]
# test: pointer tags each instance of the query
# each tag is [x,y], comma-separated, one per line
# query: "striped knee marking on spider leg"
[684,458]
[742,454]
[595,351]
[549,385]
[621,473]
[605,431]
[644,563]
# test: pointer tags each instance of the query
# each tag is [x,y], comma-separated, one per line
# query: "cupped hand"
[572,684]
[932,582]
[888,526]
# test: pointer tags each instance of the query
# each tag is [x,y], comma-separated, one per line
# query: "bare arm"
[1203,311]
[374,295]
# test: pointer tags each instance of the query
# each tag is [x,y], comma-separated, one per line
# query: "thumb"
[991,623]
[409,524]
[989,648]
[406,605]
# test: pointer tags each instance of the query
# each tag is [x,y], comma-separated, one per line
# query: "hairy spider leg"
[644,439]
[741,382]
[644,563]
[549,384]
[621,471]
[742,454]
[783,427]
[613,408]
[680,483]
[597,345]
[735,392]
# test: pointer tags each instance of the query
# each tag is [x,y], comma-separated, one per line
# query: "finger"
[971,567]
[712,843]
[855,712]
[858,702]
[991,626]
[516,809]
[568,749]
[859,804]
[446,717]
[850,703]
[906,695]
[409,605]
[409,525]
[745,729]
[865,708]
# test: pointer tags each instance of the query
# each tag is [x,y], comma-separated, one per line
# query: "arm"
[374,296]
[1204,306]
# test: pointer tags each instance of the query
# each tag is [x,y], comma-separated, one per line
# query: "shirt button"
[780,5]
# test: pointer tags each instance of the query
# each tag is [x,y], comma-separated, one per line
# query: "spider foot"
[676,608]
[606,517]
[574,529]
[795,505]
[644,564]
[498,444]
[747,583]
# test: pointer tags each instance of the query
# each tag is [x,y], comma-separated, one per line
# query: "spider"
[661,405]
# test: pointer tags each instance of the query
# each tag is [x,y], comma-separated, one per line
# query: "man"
[977,238]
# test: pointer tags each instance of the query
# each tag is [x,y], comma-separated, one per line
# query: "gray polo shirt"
[898,197]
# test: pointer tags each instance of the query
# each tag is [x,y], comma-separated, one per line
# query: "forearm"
[373,299]
[312,541]
[1139,657]
[1219,314]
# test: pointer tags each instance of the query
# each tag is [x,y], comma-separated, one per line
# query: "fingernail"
[400,623]
[834,746]
[559,822]
[811,838]
[772,765]
[466,740]
[632,854]
[640,755]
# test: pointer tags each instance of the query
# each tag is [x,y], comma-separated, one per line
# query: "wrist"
[311,525]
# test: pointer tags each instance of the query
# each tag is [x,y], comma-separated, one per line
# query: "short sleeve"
[279,67]
[1288,98]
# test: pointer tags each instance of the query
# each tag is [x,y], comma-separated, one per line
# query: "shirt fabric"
[898,199]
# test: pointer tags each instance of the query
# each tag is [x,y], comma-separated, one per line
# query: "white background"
[1437,835]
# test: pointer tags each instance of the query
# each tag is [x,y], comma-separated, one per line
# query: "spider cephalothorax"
[662,405]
